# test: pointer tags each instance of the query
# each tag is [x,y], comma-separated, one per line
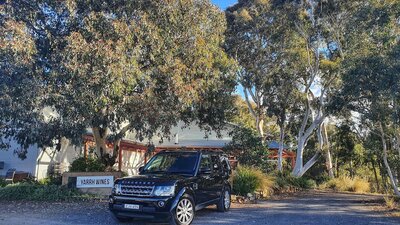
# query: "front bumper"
[149,208]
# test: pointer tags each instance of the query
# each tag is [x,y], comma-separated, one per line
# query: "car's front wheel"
[184,212]
[224,203]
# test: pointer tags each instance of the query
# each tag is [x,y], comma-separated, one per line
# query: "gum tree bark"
[325,147]
[385,161]
[281,147]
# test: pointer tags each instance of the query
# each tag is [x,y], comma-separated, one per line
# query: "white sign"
[95,182]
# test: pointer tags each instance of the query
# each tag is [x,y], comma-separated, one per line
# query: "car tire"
[224,203]
[184,212]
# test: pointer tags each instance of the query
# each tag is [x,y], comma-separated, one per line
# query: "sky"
[223,4]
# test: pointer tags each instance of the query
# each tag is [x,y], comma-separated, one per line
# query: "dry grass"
[345,183]
[361,186]
[390,202]
[267,183]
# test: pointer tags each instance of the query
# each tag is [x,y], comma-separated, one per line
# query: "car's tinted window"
[225,164]
[172,163]
[205,163]
[216,164]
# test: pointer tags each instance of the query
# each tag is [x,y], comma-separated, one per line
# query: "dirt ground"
[311,208]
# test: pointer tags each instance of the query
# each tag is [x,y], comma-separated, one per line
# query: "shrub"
[361,186]
[290,182]
[346,183]
[3,183]
[83,164]
[51,180]
[390,202]
[247,146]
[37,192]
[248,180]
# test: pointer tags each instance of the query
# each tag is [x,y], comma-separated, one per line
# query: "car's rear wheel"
[224,203]
[184,212]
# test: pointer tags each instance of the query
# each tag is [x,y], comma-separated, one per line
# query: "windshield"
[178,163]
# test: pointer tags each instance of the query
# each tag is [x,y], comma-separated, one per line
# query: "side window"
[205,163]
[225,164]
[216,164]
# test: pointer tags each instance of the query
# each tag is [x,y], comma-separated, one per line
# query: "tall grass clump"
[289,183]
[249,180]
[345,183]
[390,202]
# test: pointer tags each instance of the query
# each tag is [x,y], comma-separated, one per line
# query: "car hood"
[152,179]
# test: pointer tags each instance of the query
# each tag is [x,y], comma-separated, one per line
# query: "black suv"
[172,186]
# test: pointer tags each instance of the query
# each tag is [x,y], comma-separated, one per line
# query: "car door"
[205,179]
[217,177]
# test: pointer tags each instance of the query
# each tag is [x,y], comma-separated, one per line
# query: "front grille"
[135,188]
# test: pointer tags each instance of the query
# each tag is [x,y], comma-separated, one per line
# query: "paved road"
[315,208]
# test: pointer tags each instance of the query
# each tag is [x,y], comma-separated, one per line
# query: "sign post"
[95,182]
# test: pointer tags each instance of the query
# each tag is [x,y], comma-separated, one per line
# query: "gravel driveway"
[313,208]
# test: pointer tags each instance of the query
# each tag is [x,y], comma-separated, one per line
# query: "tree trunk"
[376,175]
[385,161]
[298,167]
[281,146]
[337,167]
[260,128]
[117,147]
[327,148]
[308,165]
[100,138]
[303,137]
[383,175]
[351,169]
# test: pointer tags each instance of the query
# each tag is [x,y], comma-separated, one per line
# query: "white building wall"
[131,161]
[39,163]
[11,160]
[62,159]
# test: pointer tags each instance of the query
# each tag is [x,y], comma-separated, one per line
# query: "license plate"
[131,206]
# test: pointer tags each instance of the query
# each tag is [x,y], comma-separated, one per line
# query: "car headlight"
[164,191]
[117,189]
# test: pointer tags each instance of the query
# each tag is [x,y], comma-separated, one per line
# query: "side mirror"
[141,169]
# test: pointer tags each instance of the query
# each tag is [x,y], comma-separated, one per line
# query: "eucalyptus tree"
[265,49]
[129,66]
[250,41]
[371,83]
[326,27]
[24,54]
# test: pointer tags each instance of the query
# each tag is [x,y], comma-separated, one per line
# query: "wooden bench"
[10,175]
[13,176]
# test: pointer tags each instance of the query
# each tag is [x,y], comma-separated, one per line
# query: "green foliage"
[89,164]
[390,202]
[249,179]
[146,64]
[286,182]
[3,183]
[36,192]
[345,183]
[51,180]
[246,145]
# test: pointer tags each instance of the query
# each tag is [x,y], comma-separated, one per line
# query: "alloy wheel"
[185,211]
[227,200]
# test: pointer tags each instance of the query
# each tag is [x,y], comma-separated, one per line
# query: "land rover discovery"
[172,186]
